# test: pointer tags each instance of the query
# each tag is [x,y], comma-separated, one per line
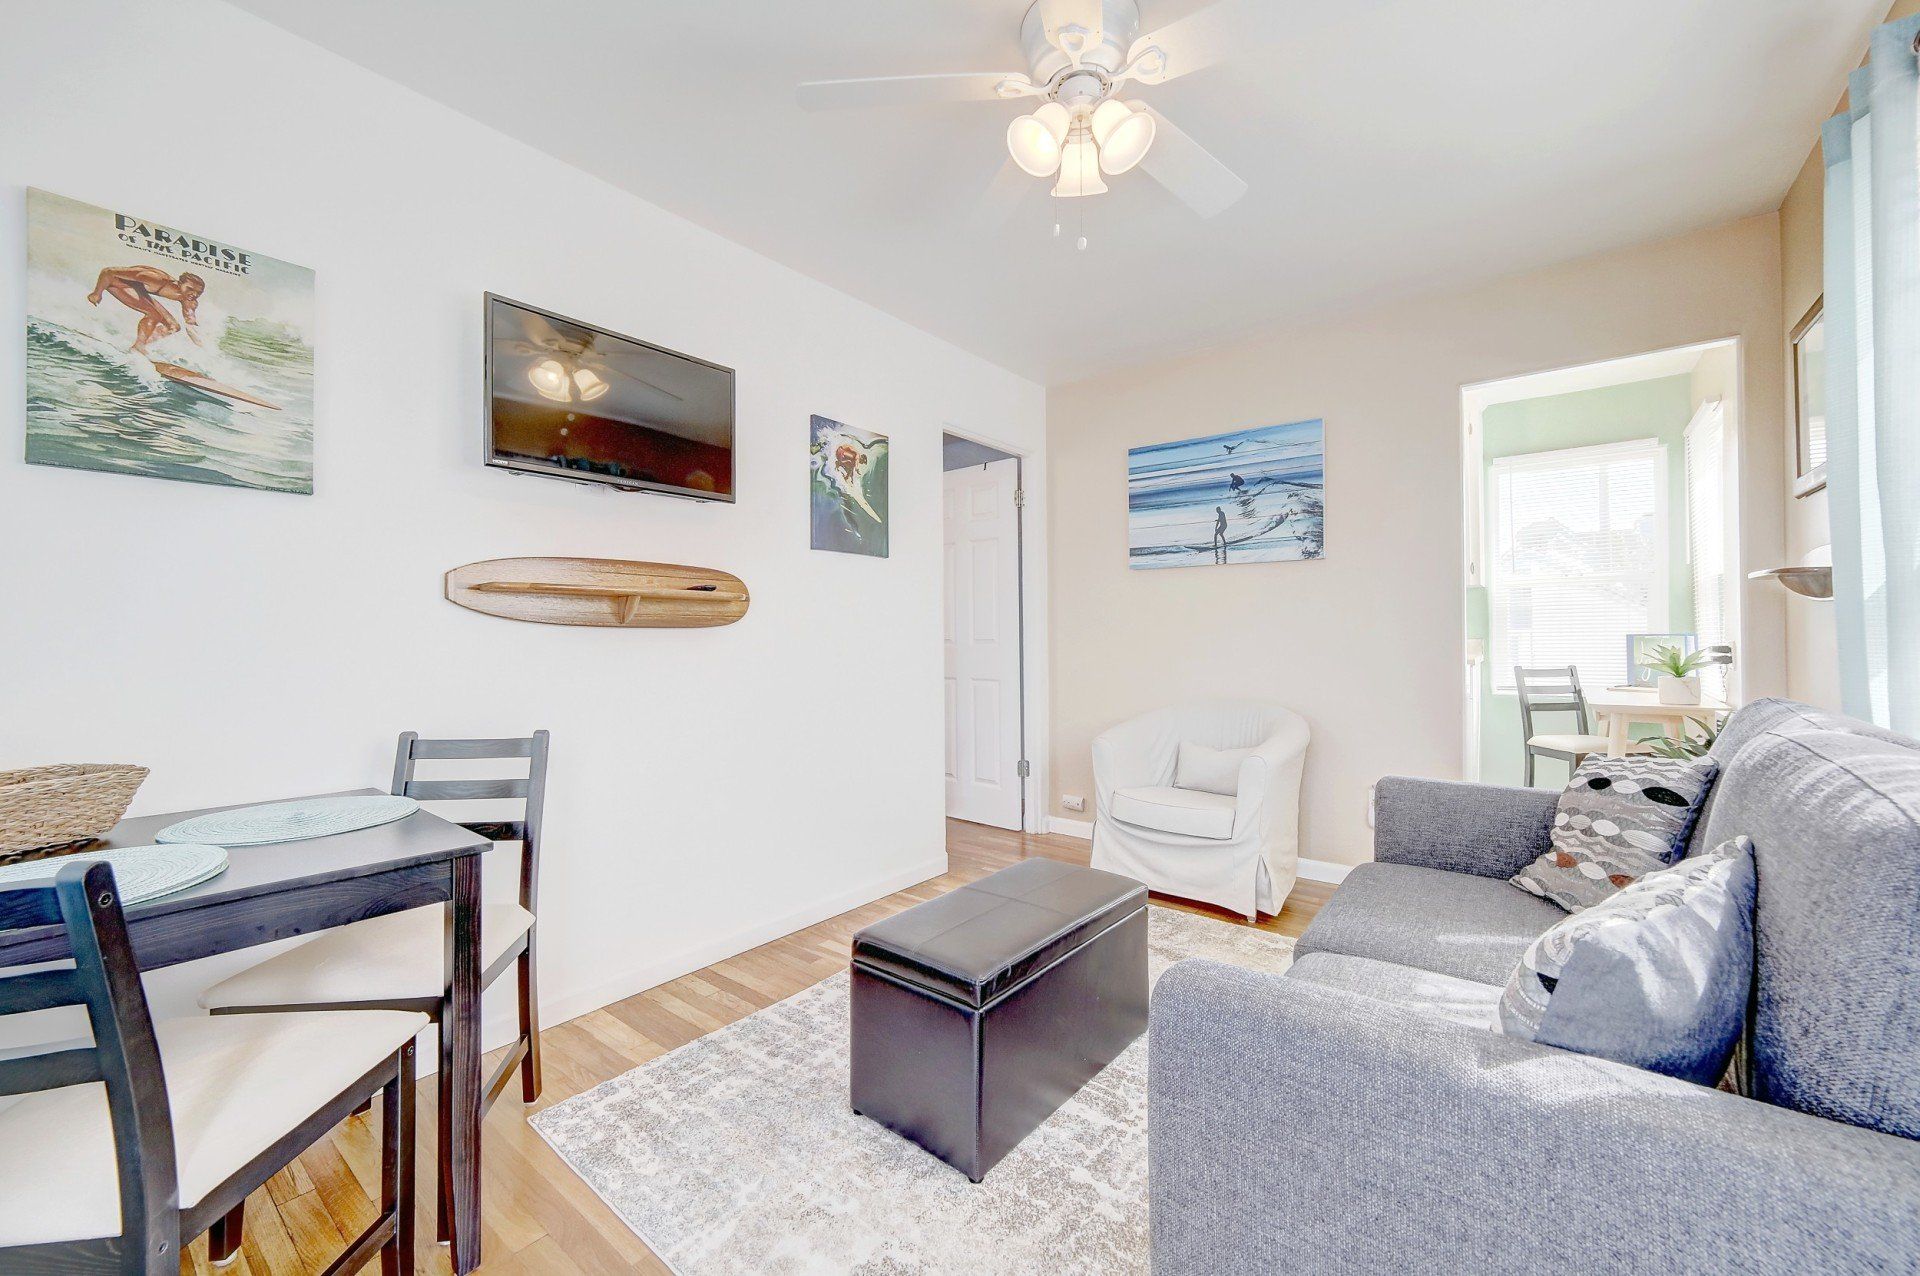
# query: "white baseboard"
[499,1028]
[1310,870]
[1324,871]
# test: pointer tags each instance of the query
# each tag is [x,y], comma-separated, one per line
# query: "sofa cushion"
[1465,1001]
[1834,815]
[1453,923]
[1618,820]
[1655,975]
[1187,812]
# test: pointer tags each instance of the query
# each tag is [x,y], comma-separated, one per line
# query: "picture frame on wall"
[1809,352]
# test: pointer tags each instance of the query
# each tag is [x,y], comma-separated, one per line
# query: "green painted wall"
[1613,414]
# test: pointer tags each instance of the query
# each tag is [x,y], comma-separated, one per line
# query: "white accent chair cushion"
[1176,810]
[235,1085]
[1240,851]
[400,955]
[1207,769]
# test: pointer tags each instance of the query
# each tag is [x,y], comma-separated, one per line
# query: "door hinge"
[1019,498]
[1023,768]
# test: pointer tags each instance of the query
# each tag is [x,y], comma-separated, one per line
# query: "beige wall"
[1367,643]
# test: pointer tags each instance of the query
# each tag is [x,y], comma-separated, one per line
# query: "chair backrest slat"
[124,1055]
[42,990]
[49,1072]
[439,750]
[465,790]
[532,789]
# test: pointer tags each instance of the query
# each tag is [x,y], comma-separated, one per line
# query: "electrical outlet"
[1073,802]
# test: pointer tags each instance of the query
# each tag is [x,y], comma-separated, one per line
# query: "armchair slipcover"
[1240,852]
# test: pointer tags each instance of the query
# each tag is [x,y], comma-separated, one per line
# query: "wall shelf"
[607,592]
[1808,582]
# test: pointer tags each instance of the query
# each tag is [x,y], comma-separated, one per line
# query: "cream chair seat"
[1169,810]
[235,1085]
[398,957]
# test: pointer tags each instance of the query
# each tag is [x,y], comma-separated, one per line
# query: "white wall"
[710,788]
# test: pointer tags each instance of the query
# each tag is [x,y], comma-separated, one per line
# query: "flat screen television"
[569,400]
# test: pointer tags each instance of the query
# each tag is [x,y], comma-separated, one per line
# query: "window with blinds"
[1707,536]
[1578,558]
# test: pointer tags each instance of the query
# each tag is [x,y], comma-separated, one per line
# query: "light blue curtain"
[1872,261]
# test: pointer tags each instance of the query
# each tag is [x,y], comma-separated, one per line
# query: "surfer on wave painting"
[138,287]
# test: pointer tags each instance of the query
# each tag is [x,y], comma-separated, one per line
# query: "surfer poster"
[1253,496]
[157,351]
[847,495]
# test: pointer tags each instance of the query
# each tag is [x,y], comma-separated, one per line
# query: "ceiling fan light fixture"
[1123,134]
[1034,140]
[549,377]
[592,384]
[1079,169]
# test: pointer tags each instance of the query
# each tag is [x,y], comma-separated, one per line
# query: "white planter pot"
[1679,690]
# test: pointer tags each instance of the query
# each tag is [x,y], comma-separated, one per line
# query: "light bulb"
[550,379]
[1123,134]
[1034,140]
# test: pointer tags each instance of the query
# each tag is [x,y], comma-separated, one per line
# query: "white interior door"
[983,644]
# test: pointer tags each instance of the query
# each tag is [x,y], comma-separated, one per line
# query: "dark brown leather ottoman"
[976,1014]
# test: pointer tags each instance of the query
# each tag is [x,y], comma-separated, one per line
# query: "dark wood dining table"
[286,889]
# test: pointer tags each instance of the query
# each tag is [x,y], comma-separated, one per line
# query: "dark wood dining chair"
[398,962]
[119,1152]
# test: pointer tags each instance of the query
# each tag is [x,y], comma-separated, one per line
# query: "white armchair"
[1239,850]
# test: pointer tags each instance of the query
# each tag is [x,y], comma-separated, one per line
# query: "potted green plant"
[1679,671]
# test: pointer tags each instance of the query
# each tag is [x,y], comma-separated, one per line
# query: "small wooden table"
[1617,709]
[286,889]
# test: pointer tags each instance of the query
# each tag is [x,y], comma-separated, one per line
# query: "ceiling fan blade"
[907,90]
[1192,43]
[1188,169]
[624,374]
[1010,187]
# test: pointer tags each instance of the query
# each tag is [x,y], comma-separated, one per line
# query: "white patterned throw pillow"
[1618,820]
[1655,976]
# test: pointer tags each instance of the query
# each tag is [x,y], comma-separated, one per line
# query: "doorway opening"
[983,509]
[1602,522]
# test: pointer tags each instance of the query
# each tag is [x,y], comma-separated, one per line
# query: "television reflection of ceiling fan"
[1080,55]
[567,367]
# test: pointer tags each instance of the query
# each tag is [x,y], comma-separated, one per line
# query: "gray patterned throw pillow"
[1619,819]
[1655,976]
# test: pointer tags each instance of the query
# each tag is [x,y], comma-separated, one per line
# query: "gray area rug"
[738,1153]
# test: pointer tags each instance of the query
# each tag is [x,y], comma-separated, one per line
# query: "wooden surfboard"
[599,591]
[207,385]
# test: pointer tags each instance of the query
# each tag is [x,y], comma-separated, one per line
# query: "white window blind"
[1707,536]
[1578,558]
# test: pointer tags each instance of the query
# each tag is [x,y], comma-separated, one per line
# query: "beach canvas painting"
[156,351]
[1252,496]
[847,496]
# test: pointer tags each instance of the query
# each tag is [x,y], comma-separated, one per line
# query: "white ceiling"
[1390,146]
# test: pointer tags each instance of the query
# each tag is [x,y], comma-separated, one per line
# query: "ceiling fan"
[1080,55]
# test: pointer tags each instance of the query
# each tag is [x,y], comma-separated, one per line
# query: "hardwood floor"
[539,1217]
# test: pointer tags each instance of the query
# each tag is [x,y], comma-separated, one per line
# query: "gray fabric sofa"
[1356,1114]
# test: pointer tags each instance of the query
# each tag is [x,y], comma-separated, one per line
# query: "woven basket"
[48,806]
